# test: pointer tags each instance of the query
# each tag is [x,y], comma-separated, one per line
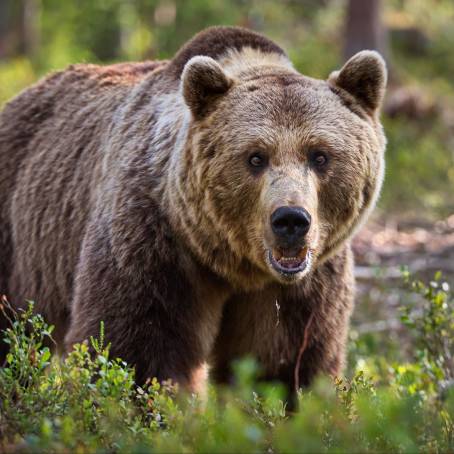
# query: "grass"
[90,403]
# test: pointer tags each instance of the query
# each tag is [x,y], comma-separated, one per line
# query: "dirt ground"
[381,249]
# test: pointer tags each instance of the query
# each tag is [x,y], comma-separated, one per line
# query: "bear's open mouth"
[289,261]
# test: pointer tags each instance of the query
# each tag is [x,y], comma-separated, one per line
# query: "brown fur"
[125,196]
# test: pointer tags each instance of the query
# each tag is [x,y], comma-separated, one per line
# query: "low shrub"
[90,403]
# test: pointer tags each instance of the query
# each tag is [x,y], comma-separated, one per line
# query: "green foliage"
[14,76]
[419,171]
[432,327]
[88,402]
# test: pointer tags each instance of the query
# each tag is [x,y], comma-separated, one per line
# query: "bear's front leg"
[155,317]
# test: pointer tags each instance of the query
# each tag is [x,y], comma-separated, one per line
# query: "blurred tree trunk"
[364,28]
[19,27]
[5,27]
[30,27]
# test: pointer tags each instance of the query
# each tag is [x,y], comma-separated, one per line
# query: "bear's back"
[51,144]
[65,100]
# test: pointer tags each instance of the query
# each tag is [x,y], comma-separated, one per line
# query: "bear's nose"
[290,224]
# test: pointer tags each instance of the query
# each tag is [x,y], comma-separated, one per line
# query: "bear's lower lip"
[288,263]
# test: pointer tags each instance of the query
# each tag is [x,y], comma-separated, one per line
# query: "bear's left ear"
[364,76]
[203,80]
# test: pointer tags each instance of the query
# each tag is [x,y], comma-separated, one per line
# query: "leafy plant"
[89,402]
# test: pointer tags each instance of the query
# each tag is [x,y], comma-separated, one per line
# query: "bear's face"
[286,166]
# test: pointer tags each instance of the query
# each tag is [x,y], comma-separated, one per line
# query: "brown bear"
[200,207]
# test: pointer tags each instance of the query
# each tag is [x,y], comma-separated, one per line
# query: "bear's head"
[278,169]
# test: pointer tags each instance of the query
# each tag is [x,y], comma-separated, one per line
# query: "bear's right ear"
[203,80]
[364,76]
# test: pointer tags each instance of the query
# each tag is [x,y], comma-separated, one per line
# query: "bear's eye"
[318,159]
[258,161]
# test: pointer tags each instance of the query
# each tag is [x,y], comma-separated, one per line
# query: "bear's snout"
[290,225]
[290,256]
